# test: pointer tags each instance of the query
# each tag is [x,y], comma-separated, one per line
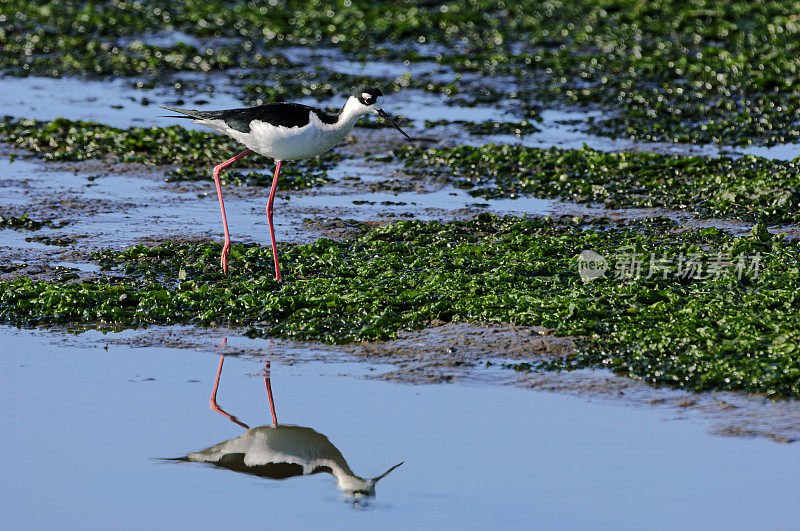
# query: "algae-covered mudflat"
[599,207]
[700,328]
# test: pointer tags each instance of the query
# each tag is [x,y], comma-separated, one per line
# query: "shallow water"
[336,61]
[117,102]
[126,207]
[400,202]
[85,429]
[114,102]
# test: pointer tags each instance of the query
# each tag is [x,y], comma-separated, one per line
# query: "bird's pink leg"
[269,393]
[213,401]
[218,168]
[269,220]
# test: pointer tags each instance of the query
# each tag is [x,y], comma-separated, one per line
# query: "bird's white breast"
[286,143]
[279,444]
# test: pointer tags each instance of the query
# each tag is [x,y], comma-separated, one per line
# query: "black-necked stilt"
[283,131]
[280,451]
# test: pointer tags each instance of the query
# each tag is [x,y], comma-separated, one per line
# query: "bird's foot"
[223,261]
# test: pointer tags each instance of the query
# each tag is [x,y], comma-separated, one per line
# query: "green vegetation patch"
[350,25]
[196,151]
[323,84]
[694,71]
[298,175]
[58,241]
[489,127]
[57,55]
[100,39]
[71,140]
[698,309]
[750,188]
[21,222]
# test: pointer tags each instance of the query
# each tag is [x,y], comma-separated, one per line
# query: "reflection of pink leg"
[269,393]
[213,401]
[269,220]
[227,247]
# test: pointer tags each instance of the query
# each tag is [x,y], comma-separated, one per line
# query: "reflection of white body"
[281,451]
[285,451]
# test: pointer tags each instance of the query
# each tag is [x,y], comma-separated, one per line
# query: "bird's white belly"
[289,143]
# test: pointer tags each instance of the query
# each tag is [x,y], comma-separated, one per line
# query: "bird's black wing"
[277,114]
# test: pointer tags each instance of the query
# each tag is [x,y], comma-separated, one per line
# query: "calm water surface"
[86,432]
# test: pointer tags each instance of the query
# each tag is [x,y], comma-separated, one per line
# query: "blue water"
[84,428]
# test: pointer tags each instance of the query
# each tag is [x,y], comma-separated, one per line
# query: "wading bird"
[280,451]
[283,131]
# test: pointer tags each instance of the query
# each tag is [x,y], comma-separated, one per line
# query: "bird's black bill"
[383,114]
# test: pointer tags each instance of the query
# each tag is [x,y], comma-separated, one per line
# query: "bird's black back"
[277,114]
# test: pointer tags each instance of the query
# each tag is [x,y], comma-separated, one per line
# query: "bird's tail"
[189,113]
[184,459]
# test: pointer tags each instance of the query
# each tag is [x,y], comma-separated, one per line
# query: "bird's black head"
[367,95]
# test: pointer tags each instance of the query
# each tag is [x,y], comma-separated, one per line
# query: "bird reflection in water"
[280,451]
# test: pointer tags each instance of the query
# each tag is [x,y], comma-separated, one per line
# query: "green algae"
[24,222]
[749,188]
[57,241]
[344,24]
[727,328]
[78,56]
[21,222]
[292,177]
[376,122]
[322,84]
[676,71]
[671,70]
[489,127]
[297,175]
[71,140]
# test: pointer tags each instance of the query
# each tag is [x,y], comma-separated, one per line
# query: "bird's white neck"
[346,479]
[352,111]
[349,482]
